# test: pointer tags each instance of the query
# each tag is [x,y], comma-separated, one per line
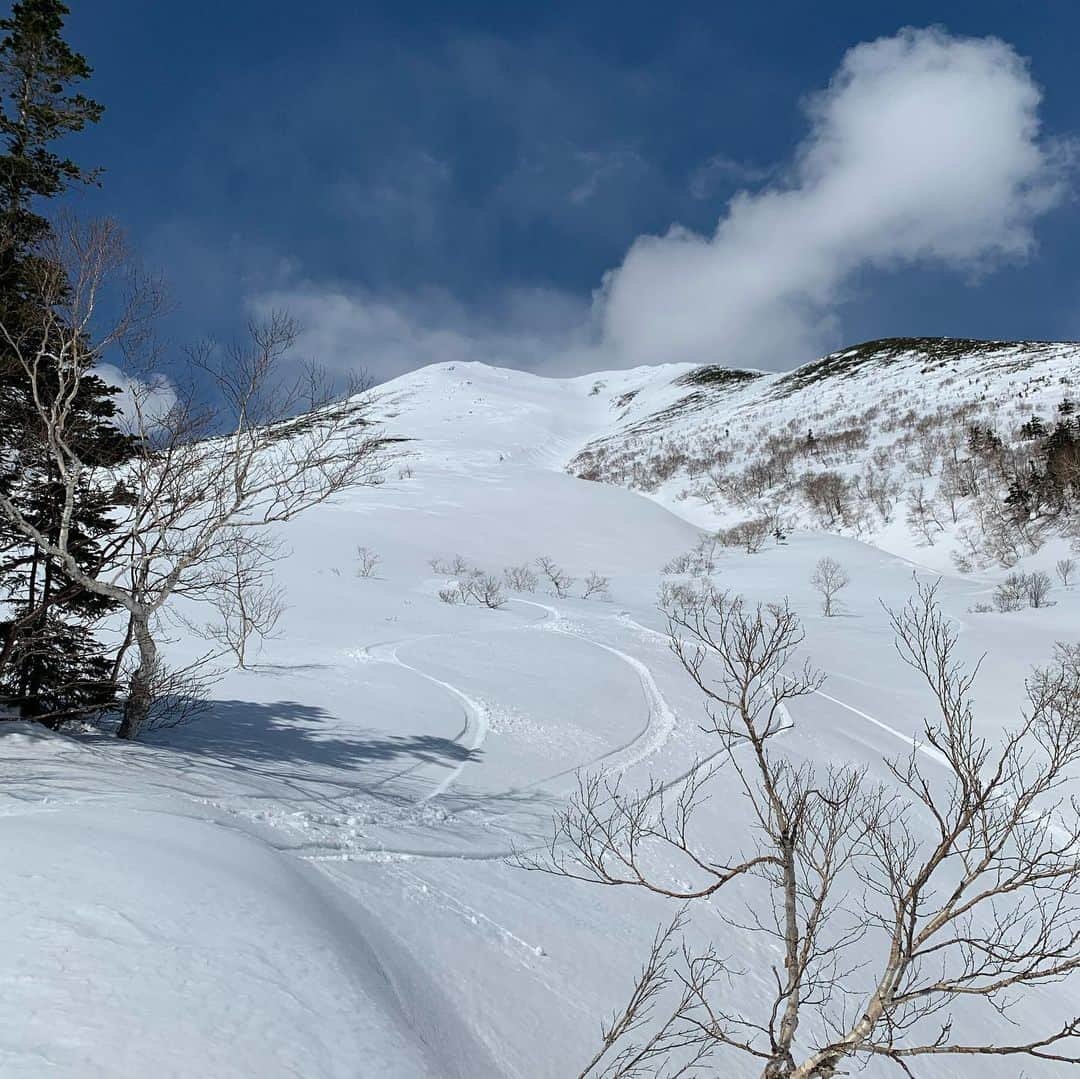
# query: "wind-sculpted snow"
[312,879]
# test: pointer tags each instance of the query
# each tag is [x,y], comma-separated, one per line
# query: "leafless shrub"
[1066,567]
[681,563]
[1037,585]
[595,585]
[520,579]
[922,515]
[451,567]
[699,562]
[484,589]
[367,560]
[472,585]
[827,494]
[1023,589]
[969,553]
[1011,594]
[749,535]
[673,594]
[828,579]
[558,578]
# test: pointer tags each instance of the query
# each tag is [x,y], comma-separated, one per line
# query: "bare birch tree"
[897,909]
[269,445]
[245,598]
[828,580]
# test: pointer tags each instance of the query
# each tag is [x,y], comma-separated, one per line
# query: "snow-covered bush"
[595,585]
[1020,590]
[699,562]
[367,560]
[560,581]
[472,584]
[1037,585]
[453,567]
[520,579]
[1011,594]
[749,535]
[483,588]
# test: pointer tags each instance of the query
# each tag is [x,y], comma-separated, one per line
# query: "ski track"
[660,723]
[476,721]
[920,747]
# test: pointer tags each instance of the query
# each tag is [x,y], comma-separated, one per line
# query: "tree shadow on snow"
[288,732]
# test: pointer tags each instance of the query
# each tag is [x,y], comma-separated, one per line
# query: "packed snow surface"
[312,879]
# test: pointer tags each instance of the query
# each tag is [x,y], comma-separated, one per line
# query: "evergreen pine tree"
[1034,428]
[50,663]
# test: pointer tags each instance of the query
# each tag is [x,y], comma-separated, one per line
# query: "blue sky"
[429,180]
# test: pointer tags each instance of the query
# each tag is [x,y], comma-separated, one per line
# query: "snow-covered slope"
[888,419]
[311,880]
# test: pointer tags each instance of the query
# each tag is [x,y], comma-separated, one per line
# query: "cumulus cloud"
[349,330]
[151,399]
[924,147]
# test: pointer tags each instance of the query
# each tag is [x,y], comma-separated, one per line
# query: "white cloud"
[384,336]
[923,148]
[721,170]
[152,398]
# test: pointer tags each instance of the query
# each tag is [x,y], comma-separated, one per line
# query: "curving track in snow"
[658,726]
[659,722]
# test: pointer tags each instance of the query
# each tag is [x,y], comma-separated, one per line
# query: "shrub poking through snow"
[681,563]
[520,579]
[1020,590]
[749,535]
[1038,585]
[595,585]
[1010,595]
[473,585]
[367,561]
[560,581]
[699,562]
[676,594]
[452,567]
[1066,568]
[483,588]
